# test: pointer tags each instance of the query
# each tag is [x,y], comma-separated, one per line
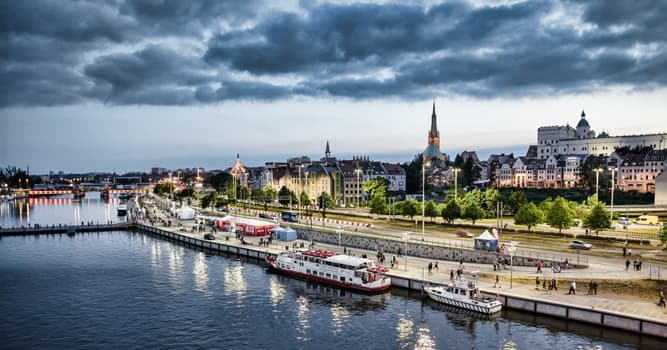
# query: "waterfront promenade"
[623,305]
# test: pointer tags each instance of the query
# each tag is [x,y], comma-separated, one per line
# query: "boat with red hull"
[333,269]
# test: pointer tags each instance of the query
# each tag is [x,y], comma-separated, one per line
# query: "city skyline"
[134,86]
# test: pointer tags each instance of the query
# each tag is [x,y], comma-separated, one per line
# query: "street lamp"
[511,249]
[456,182]
[358,171]
[424,165]
[611,213]
[597,178]
[406,238]
[338,230]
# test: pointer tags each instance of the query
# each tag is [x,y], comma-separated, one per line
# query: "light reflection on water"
[130,290]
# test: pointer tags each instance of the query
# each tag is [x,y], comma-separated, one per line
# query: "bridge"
[68,229]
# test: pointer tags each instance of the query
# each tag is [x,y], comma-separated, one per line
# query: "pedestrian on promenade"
[661,302]
[595,288]
[537,283]
[625,251]
[590,288]
[544,283]
[451,275]
[573,288]
[436,265]
[639,264]
[430,267]
[627,264]
[539,267]
[554,284]
[497,282]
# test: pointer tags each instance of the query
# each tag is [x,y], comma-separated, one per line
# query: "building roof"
[394,169]
[432,151]
[583,122]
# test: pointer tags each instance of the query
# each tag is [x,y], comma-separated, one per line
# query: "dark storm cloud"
[56,52]
[154,75]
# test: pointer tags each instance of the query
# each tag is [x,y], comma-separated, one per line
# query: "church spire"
[434,127]
[327,151]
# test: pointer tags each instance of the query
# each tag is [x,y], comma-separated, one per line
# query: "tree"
[325,202]
[413,174]
[559,215]
[219,180]
[163,188]
[529,214]
[286,196]
[475,196]
[209,200]
[430,210]
[269,193]
[409,207]
[597,218]
[516,200]
[378,204]
[376,185]
[491,198]
[305,200]
[472,212]
[451,211]
[663,235]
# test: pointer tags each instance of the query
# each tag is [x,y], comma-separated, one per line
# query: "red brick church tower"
[432,150]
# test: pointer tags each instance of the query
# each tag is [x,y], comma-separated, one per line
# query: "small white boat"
[122,209]
[464,294]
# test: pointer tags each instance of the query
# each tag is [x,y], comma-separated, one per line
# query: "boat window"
[342,279]
[328,275]
[335,277]
[322,274]
[308,271]
[462,292]
[450,289]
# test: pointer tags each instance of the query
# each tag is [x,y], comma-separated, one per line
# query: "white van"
[647,220]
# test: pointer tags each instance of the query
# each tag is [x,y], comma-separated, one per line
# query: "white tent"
[486,241]
[185,213]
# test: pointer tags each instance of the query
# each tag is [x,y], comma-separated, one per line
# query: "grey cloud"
[146,74]
[357,51]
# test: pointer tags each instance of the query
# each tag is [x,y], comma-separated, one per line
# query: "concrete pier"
[44,230]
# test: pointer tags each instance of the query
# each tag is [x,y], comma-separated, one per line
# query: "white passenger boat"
[338,270]
[464,294]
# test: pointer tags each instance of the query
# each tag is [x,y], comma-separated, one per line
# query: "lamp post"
[338,230]
[511,249]
[358,171]
[424,165]
[406,238]
[611,213]
[456,182]
[597,178]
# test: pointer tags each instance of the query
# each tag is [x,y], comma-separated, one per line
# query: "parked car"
[580,245]
[624,220]
[465,234]
[209,236]
[267,216]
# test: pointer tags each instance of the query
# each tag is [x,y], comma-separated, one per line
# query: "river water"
[127,290]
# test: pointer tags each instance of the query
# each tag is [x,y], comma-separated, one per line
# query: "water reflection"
[57,210]
[339,316]
[302,317]
[404,329]
[276,292]
[234,281]
[200,273]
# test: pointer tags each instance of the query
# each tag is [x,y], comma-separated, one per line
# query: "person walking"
[544,283]
[554,284]
[451,275]
[537,283]
[661,302]
[590,288]
[435,266]
[573,288]
[539,267]
[430,267]
[497,284]
[627,264]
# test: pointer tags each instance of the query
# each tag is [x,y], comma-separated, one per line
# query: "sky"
[126,85]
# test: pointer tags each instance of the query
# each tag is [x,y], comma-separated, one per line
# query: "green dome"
[583,123]
[432,152]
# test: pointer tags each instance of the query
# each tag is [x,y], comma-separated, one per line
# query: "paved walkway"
[416,269]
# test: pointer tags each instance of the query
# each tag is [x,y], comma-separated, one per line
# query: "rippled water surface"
[122,290]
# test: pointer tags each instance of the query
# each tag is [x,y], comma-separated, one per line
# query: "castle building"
[557,140]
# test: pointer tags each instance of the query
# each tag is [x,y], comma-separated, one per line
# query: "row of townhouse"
[341,179]
[632,172]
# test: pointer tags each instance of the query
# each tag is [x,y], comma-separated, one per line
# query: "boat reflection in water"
[324,295]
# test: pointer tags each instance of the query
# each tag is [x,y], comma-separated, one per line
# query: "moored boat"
[334,269]
[122,209]
[464,294]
